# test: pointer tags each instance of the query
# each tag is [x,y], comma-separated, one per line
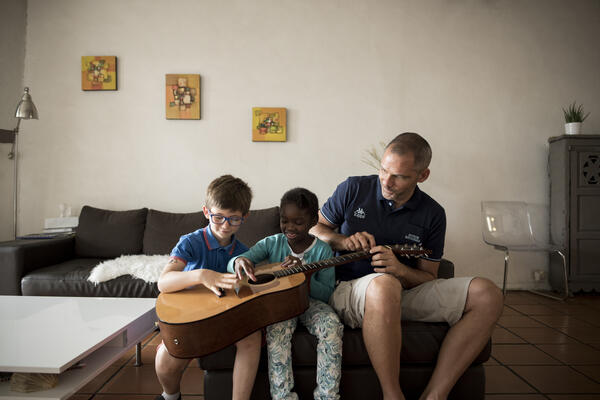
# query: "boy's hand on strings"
[243,265]
[215,280]
[291,261]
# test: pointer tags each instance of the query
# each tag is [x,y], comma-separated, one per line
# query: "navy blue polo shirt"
[200,249]
[357,205]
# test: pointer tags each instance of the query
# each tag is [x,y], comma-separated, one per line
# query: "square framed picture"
[269,124]
[182,96]
[98,73]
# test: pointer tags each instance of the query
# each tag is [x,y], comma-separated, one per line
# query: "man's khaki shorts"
[434,301]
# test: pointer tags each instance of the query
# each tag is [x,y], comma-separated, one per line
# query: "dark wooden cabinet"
[574,168]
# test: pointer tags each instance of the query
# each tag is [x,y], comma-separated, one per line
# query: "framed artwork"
[268,124]
[183,96]
[98,73]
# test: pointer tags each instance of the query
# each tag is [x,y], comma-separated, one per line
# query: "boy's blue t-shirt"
[275,249]
[200,249]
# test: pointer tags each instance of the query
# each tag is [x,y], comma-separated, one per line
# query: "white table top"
[50,334]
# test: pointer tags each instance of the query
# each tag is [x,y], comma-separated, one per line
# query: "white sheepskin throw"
[143,267]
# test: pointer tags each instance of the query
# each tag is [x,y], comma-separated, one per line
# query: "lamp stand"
[14,155]
[25,110]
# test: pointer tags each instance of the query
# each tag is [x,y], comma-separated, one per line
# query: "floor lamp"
[25,110]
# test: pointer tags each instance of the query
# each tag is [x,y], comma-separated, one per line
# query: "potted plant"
[574,117]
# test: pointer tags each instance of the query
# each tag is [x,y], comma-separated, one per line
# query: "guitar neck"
[402,250]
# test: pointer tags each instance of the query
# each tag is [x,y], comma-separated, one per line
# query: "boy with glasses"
[200,258]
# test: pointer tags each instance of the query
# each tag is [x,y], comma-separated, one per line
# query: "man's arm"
[384,260]
[325,231]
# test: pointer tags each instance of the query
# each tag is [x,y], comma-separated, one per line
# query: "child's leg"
[279,346]
[169,370]
[246,363]
[323,322]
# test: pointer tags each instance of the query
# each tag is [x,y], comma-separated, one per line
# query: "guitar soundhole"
[261,279]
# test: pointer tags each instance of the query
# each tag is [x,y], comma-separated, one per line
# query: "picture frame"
[98,73]
[182,99]
[269,124]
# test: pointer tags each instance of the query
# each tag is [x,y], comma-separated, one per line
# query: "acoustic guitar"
[195,322]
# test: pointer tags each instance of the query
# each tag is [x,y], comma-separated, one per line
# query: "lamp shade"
[26,109]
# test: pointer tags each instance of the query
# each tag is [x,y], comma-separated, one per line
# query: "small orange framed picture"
[182,96]
[98,73]
[269,124]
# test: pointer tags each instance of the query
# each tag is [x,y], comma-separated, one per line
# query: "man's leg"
[382,332]
[466,338]
[247,357]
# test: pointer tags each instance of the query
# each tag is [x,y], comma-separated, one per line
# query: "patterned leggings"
[321,321]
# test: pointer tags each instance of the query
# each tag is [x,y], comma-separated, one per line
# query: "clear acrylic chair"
[517,226]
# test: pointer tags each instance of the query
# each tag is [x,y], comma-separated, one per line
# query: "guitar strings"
[407,251]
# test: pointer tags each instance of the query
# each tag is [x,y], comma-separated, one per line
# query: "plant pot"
[573,128]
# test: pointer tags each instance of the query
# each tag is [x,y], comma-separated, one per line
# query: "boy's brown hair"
[229,193]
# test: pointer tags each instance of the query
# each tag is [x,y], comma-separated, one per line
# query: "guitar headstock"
[408,250]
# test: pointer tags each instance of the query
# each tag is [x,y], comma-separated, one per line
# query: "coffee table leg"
[138,355]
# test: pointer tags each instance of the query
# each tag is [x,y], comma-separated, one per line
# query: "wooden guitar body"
[196,322]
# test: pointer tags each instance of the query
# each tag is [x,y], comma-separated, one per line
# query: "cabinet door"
[585,216]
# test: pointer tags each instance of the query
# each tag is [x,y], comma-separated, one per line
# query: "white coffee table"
[51,334]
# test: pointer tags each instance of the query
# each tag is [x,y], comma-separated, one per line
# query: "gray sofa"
[60,267]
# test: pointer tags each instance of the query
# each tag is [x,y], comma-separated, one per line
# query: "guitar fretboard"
[330,262]
[405,251]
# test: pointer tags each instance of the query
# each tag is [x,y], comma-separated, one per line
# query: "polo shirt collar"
[412,203]
[212,243]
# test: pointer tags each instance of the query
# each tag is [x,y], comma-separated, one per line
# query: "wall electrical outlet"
[539,275]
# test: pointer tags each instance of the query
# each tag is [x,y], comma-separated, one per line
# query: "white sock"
[173,396]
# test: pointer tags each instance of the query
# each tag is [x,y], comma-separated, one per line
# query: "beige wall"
[484,82]
[12,57]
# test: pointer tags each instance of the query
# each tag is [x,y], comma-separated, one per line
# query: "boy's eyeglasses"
[220,219]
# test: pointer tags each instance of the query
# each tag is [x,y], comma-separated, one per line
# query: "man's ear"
[423,175]
[206,212]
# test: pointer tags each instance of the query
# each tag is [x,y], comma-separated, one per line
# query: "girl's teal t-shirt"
[275,249]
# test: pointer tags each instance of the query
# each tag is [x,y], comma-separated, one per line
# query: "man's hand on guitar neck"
[243,265]
[356,242]
[326,231]
[385,261]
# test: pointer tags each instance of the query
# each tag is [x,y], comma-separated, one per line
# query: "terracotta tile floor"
[545,349]
[542,349]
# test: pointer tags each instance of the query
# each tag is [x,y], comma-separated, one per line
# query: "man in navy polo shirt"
[375,294]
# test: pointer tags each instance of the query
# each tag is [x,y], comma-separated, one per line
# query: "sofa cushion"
[421,344]
[70,279]
[163,229]
[259,224]
[108,234]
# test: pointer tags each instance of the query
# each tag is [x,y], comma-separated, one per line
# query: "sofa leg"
[138,355]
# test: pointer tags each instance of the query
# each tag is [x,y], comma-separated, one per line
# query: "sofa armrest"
[18,258]
[446,269]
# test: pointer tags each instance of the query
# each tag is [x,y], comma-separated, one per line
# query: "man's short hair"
[229,193]
[413,143]
[304,199]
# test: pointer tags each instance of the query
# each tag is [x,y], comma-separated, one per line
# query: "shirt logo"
[360,213]
[412,237]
